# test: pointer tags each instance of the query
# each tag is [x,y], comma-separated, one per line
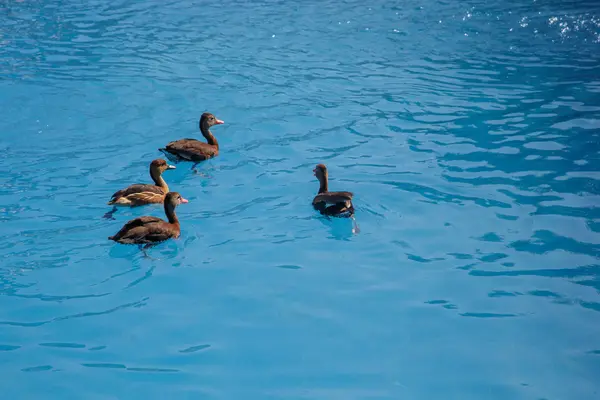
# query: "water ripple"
[468,132]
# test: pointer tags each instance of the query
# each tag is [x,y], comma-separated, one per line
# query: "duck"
[141,194]
[192,149]
[152,230]
[335,204]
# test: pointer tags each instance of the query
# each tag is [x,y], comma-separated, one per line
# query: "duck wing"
[133,224]
[137,188]
[192,149]
[138,199]
[337,204]
[333,197]
[141,221]
[336,210]
[153,232]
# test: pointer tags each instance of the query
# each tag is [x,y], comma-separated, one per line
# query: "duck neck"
[324,184]
[210,138]
[170,212]
[158,180]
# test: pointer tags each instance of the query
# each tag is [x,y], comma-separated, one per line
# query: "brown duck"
[335,204]
[140,194]
[152,230]
[192,149]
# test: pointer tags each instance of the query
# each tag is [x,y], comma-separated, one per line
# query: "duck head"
[159,166]
[207,120]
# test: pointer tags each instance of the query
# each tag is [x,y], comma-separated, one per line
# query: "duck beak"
[183,201]
[171,167]
[314,172]
[219,122]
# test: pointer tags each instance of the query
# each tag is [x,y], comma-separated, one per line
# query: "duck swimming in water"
[192,149]
[141,194]
[335,204]
[152,230]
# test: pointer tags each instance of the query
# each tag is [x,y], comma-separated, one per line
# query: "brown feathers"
[337,204]
[192,150]
[333,197]
[195,150]
[140,194]
[140,199]
[148,230]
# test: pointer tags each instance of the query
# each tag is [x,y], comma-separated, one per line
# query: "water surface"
[469,132]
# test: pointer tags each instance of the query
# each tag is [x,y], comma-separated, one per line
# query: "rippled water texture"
[469,132]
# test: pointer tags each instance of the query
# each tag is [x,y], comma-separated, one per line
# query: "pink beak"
[219,122]
[183,201]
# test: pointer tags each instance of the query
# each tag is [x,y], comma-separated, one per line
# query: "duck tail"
[111,238]
[110,203]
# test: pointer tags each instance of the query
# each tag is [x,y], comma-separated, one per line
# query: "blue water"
[468,131]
